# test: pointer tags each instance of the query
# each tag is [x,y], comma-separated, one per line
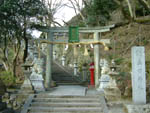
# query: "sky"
[65,13]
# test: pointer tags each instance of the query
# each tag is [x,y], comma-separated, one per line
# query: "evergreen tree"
[98,13]
[16,19]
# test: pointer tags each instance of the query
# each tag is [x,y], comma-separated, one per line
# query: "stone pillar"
[63,59]
[49,61]
[54,55]
[75,68]
[96,59]
[138,75]
[84,72]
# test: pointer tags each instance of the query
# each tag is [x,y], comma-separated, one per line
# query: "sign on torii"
[96,41]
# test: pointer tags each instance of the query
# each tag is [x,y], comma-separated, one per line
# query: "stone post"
[75,68]
[49,61]
[84,72]
[96,59]
[63,59]
[54,55]
[138,75]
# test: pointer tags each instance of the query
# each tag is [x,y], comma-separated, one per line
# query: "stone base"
[27,87]
[132,108]
[38,86]
[37,82]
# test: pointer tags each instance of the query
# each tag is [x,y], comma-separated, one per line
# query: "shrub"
[123,81]
[7,78]
[119,61]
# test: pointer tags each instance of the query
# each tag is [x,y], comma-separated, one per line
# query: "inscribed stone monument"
[138,75]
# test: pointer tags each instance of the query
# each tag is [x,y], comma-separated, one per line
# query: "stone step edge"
[66,112]
[66,104]
[64,100]
[63,96]
[65,108]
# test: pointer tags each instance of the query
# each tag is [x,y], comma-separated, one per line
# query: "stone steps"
[68,104]
[43,95]
[62,75]
[68,83]
[65,100]
[59,78]
[44,103]
[64,109]
[68,112]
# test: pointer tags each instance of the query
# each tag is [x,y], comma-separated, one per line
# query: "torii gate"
[96,41]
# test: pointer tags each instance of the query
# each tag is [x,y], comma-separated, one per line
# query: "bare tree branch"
[53,7]
[73,6]
[78,9]
[130,8]
[145,3]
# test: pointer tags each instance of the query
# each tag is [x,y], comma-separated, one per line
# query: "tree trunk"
[26,40]
[133,4]
[26,49]
[5,52]
[15,60]
[5,66]
[130,9]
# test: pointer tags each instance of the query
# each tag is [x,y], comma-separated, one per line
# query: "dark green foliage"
[141,11]
[119,61]
[7,78]
[123,81]
[12,13]
[99,11]
[16,19]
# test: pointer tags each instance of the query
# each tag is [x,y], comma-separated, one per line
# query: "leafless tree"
[78,6]
[53,7]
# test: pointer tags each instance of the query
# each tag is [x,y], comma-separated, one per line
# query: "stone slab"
[138,75]
[71,90]
[131,108]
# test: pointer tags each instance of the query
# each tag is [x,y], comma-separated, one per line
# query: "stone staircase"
[44,103]
[63,75]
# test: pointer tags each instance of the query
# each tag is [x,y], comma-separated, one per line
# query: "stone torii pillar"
[96,59]
[49,61]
